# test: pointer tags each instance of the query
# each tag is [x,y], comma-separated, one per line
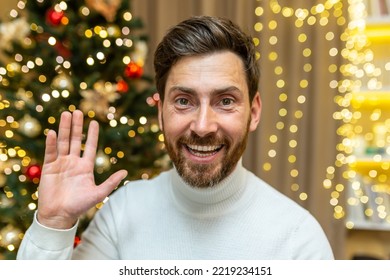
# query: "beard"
[206,175]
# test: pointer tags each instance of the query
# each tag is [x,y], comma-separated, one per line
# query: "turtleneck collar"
[212,200]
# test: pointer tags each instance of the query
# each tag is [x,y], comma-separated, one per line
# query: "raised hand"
[67,186]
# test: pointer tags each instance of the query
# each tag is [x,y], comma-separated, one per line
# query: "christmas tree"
[67,55]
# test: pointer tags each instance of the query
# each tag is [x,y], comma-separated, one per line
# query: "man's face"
[206,116]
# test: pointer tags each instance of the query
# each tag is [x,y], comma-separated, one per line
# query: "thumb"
[105,188]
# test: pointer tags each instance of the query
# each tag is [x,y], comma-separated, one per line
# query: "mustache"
[194,139]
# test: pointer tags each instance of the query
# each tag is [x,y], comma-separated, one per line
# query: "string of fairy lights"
[321,14]
[359,71]
[364,148]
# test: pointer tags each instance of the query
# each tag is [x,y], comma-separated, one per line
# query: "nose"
[205,121]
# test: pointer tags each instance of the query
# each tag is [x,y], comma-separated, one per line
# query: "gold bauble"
[107,8]
[30,126]
[6,202]
[9,235]
[102,161]
[62,82]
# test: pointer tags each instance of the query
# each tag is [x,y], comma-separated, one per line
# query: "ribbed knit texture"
[164,218]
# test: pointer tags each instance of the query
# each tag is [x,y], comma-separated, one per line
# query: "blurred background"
[325,85]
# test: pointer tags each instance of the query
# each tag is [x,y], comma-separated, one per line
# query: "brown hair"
[203,35]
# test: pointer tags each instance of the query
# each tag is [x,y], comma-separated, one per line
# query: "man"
[208,206]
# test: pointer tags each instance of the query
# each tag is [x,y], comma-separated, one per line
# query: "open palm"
[67,187]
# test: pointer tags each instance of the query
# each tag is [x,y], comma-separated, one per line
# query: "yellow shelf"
[365,167]
[378,32]
[370,100]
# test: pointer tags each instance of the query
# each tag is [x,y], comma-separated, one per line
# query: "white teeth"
[204,148]
[203,151]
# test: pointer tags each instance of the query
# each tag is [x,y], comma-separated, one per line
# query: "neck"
[212,200]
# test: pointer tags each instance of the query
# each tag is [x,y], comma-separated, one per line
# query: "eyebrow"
[214,92]
[181,88]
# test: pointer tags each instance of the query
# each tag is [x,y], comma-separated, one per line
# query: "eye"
[182,101]
[227,101]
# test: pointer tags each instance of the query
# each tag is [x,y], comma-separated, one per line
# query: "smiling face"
[206,116]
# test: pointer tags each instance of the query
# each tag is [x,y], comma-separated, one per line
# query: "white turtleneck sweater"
[164,218]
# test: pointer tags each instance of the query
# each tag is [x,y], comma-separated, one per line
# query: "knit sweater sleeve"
[40,242]
[98,240]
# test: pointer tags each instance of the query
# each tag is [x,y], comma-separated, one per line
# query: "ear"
[160,117]
[255,112]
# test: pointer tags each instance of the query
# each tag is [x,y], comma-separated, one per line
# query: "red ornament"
[63,49]
[33,172]
[54,17]
[76,241]
[122,86]
[133,70]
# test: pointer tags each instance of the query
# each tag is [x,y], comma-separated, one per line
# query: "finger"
[92,140]
[105,188]
[64,133]
[76,133]
[50,147]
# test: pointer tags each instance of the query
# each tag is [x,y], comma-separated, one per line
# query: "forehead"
[211,71]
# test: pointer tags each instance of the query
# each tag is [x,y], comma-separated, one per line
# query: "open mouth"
[204,151]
